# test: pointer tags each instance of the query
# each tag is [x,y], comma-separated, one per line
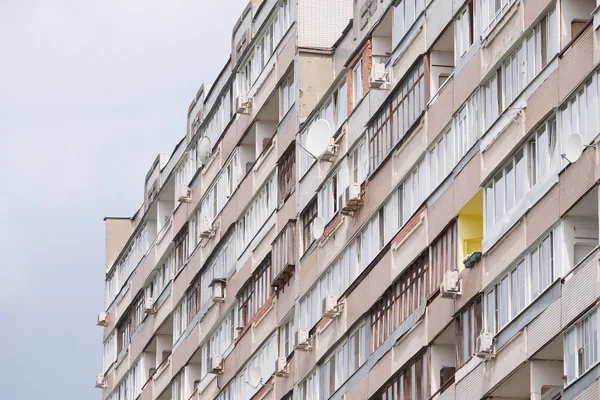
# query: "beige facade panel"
[286,133]
[503,253]
[543,100]
[471,285]
[467,182]
[592,392]
[438,16]
[467,81]
[576,180]
[407,247]
[440,213]
[544,328]
[360,391]
[580,289]
[308,273]
[285,300]
[440,112]
[117,232]
[576,64]
[543,215]
[315,72]
[305,362]
[439,315]
[380,373]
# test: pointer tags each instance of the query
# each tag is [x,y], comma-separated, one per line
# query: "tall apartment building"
[443,244]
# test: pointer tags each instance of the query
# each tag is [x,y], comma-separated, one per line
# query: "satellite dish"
[204,150]
[318,227]
[573,147]
[255,378]
[318,137]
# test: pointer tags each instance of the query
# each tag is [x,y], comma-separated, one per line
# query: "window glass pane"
[520,178]
[510,186]
[499,196]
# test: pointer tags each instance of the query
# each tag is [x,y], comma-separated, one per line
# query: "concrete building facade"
[442,244]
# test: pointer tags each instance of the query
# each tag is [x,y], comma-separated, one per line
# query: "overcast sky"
[90,92]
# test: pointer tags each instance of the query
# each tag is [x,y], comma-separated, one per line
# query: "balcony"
[284,255]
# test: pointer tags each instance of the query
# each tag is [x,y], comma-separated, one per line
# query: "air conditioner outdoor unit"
[302,339]
[352,199]
[331,152]
[184,195]
[281,368]
[218,290]
[149,305]
[379,76]
[485,345]
[100,383]
[206,229]
[243,104]
[329,307]
[216,364]
[102,319]
[450,286]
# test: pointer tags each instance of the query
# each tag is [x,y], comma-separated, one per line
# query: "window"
[309,389]
[441,158]
[492,100]
[442,257]
[308,217]
[256,293]
[527,61]
[162,278]
[329,195]
[129,259]
[284,253]
[341,105]
[398,302]
[358,162]
[468,327]
[491,11]
[178,388]
[181,249]
[406,13]
[579,114]
[523,283]
[124,333]
[193,300]
[525,169]
[505,190]
[286,15]
[218,342]
[392,123]
[581,346]
[287,94]
[131,384]
[138,311]
[179,320]
[357,84]
[109,355]
[286,338]
[344,361]
[257,214]
[463,31]
[541,151]
[286,175]
[408,384]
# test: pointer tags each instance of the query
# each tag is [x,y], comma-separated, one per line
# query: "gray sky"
[90,92]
